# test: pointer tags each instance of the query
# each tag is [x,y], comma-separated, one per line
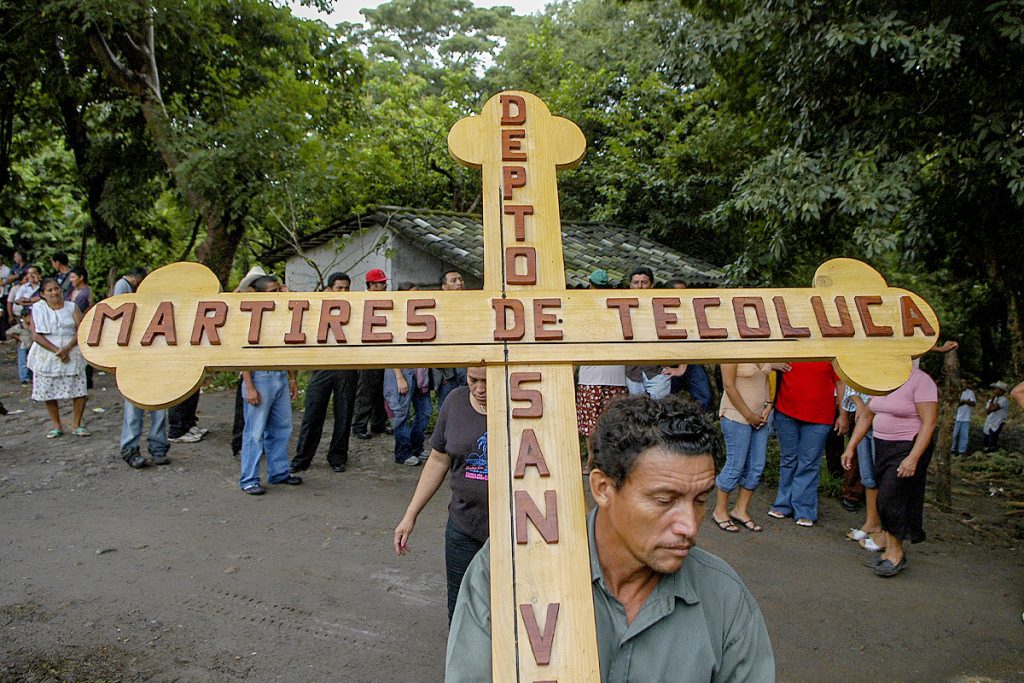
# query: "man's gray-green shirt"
[699,624]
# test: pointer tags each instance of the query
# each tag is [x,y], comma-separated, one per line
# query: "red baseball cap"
[376,275]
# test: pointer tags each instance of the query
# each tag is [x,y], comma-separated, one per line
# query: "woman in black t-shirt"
[459,447]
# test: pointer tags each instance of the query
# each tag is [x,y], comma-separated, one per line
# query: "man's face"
[640,281]
[341,285]
[653,519]
[476,378]
[132,280]
[453,281]
[376,286]
[33,275]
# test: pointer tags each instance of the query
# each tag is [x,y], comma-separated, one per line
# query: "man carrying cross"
[665,609]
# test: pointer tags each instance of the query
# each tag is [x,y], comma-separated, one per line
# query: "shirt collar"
[679,584]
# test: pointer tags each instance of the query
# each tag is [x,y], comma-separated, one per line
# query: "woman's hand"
[64,354]
[756,420]
[402,533]
[847,459]
[907,467]
[781,367]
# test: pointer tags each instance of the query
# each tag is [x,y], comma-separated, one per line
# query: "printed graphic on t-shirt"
[476,462]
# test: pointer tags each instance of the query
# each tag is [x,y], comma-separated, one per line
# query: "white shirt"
[996,419]
[603,375]
[963,413]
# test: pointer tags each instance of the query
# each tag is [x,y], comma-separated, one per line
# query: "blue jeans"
[745,452]
[695,381]
[658,386]
[268,427]
[961,435]
[800,448]
[24,374]
[131,430]
[446,387]
[459,551]
[866,461]
[408,428]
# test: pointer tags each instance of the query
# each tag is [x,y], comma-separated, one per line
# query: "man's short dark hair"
[138,273]
[81,272]
[261,283]
[678,281]
[631,425]
[444,275]
[642,270]
[334,277]
[61,258]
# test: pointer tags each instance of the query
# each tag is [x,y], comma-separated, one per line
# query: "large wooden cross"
[528,330]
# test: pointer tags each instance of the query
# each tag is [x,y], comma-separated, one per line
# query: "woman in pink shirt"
[903,423]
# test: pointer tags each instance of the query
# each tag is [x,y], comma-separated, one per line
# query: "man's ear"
[601,487]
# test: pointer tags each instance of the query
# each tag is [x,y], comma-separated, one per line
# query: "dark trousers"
[182,417]
[239,423]
[695,381]
[323,384]
[901,499]
[370,415]
[990,440]
[459,551]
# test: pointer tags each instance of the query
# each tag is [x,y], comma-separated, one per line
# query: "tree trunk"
[949,397]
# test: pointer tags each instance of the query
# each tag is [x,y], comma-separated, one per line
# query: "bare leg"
[741,510]
[77,411]
[54,410]
[893,549]
[872,523]
[721,512]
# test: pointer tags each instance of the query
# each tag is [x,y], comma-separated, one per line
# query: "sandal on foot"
[81,431]
[54,433]
[776,514]
[748,523]
[869,544]
[803,521]
[726,525]
[856,535]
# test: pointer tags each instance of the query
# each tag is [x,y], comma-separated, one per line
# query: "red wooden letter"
[372,320]
[788,330]
[913,318]
[102,312]
[704,329]
[512,177]
[512,275]
[511,145]
[532,396]
[540,642]
[502,307]
[541,319]
[740,304]
[845,326]
[414,317]
[625,319]
[519,212]
[662,318]
[257,309]
[870,328]
[334,316]
[507,117]
[162,323]
[295,335]
[530,454]
[208,324]
[526,509]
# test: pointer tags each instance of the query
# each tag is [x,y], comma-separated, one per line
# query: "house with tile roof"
[417,245]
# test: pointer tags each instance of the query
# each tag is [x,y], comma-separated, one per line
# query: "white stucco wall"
[377,248]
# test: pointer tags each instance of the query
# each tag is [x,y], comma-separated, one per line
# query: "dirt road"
[172,574]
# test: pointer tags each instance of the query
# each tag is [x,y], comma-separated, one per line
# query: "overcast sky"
[348,10]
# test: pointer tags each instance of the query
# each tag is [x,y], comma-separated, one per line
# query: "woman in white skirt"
[58,368]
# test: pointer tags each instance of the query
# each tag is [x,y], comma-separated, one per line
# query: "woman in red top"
[805,410]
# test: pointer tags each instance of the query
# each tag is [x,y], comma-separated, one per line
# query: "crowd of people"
[804,404]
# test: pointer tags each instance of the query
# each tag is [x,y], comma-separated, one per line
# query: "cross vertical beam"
[542,615]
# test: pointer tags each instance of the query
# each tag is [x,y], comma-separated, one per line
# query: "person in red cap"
[370,415]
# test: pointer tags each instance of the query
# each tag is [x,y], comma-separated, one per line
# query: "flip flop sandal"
[726,525]
[748,523]
[856,535]
[82,431]
[869,544]
[776,514]
[54,433]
